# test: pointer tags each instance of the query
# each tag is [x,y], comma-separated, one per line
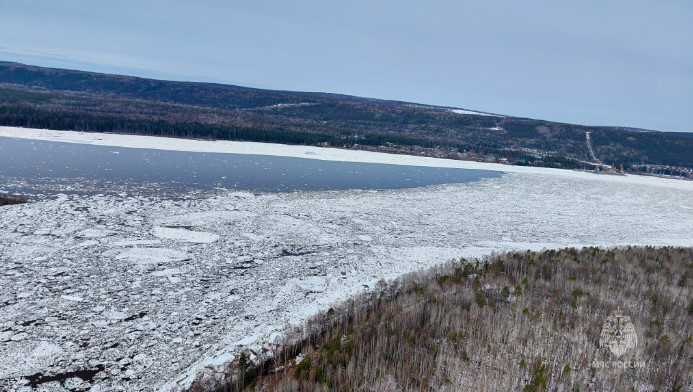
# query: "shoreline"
[307,152]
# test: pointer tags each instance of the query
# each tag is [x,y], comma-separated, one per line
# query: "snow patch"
[463,111]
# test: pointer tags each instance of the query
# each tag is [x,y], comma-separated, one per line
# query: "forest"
[61,99]
[529,321]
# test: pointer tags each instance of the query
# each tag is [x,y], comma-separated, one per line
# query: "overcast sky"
[589,62]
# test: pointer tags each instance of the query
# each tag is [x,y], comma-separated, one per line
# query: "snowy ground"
[144,292]
[463,111]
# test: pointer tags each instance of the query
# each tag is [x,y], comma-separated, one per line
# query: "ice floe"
[185,235]
[152,255]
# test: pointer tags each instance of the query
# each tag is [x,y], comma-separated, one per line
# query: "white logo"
[618,334]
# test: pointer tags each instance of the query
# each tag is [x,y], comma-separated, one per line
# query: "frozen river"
[141,292]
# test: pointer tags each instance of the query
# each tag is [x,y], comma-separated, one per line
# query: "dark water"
[44,166]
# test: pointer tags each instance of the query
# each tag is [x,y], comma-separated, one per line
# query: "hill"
[84,101]
[588,320]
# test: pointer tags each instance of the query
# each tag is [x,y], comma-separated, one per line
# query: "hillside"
[531,321]
[84,101]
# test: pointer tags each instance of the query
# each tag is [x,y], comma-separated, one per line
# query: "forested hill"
[558,320]
[76,100]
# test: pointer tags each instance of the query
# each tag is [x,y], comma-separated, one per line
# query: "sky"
[591,62]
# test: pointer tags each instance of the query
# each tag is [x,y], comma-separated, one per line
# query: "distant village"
[534,157]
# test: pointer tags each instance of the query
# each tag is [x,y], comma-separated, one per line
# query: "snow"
[287,105]
[463,111]
[259,263]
